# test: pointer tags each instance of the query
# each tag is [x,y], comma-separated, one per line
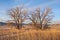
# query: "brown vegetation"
[31,34]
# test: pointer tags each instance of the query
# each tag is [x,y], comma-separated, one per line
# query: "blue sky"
[30,4]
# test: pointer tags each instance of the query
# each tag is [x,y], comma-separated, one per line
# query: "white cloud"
[15,0]
[49,3]
[56,21]
[28,4]
[42,5]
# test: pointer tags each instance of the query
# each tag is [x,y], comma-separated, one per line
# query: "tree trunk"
[41,25]
[18,27]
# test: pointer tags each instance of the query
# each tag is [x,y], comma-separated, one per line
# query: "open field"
[29,34]
[29,19]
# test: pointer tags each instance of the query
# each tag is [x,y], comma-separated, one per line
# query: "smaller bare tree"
[41,19]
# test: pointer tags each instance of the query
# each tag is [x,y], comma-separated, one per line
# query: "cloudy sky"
[30,4]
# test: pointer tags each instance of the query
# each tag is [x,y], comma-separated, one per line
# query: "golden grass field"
[29,34]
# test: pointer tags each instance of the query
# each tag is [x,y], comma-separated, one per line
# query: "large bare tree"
[18,15]
[41,19]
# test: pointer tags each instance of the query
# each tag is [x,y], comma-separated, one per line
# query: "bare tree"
[18,15]
[41,19]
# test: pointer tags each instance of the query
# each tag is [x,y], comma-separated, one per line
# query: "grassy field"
[30,34]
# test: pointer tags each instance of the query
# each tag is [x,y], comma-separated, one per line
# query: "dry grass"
[51,34]
[30,34]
